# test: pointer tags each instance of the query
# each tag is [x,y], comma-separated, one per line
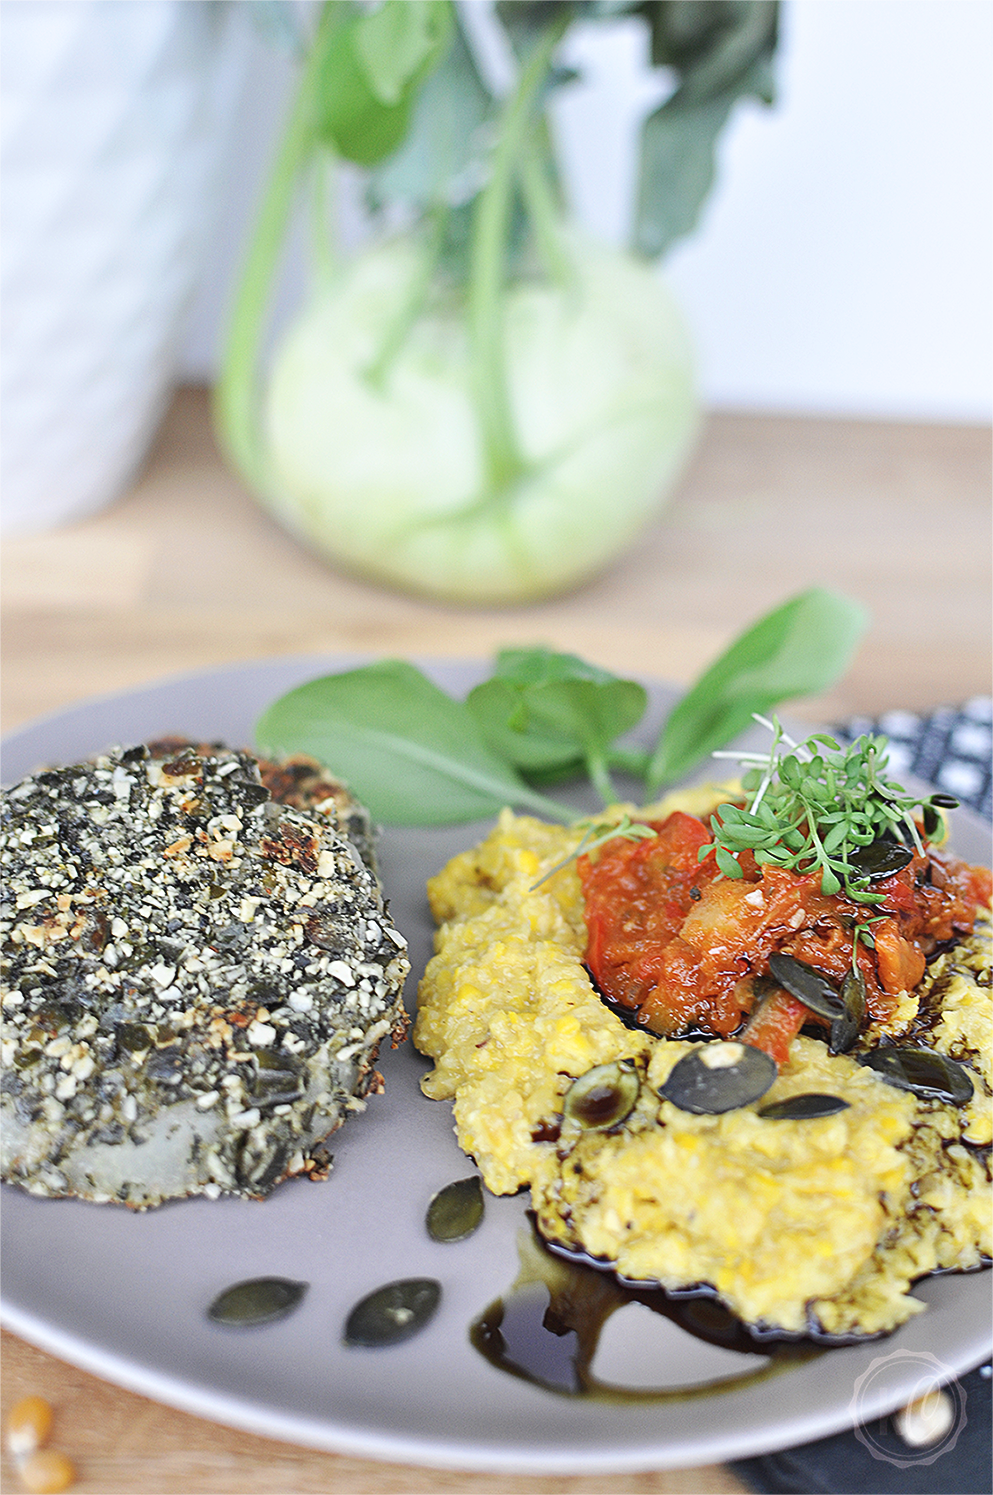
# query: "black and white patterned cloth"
[880,1463]
[952,749]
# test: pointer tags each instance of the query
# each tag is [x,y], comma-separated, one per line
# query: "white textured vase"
[111,132]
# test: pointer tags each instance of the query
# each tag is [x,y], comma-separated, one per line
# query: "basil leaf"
[801,647]
[552,728]
[508,729]
[538,666]
[589,713]
[412,754]
[543,710]
[594,715]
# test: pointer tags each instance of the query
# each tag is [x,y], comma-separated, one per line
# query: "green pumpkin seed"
[881,858]
[846,1028]
[456,1210]
[719,1077]
[134,1037]
[53,1017]
[803,1107]
[259,1300]
[603,1097]
[809,986]
[931,817]
[393,1313]
[930,1075]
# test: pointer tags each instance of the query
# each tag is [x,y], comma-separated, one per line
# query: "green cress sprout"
[418,756]
[597,835]
[816,806]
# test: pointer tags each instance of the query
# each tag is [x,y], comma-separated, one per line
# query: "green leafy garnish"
[417,756]
[815,808]
[797,649]
[413,754]
[550,714]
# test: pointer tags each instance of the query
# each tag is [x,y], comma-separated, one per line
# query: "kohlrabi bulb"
[386,476]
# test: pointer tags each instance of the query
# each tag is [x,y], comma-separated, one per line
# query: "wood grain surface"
[185,572]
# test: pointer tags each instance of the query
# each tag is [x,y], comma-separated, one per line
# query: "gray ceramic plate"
[124,1295]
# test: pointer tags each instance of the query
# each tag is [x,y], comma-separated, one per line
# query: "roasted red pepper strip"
[775,1023]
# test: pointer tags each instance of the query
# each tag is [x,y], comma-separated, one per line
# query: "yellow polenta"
[799,1224]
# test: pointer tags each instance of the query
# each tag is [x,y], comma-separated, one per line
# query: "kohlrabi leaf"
[373,70]
[800,647]
[544,710]
[721,52]
[524,22]
[409,751]
[443,159]
[710,45]
[677,171]
[399,41]
[351,119]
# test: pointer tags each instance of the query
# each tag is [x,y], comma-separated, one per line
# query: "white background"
[843,262]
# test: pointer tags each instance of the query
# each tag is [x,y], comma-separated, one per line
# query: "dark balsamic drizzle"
[630,1019]
[547,1327]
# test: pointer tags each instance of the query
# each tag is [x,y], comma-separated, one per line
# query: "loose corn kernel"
[46,1472]
[29,1423]
[925,1421]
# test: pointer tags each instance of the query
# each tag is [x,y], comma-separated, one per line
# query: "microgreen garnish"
[598,834]
[862,934]
[814,808]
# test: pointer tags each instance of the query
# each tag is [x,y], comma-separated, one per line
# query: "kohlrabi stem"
[324,245]
[235,407]
[420,282]
[503,460]
[544,212]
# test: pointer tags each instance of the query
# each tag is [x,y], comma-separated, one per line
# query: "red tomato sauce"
[676,942]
